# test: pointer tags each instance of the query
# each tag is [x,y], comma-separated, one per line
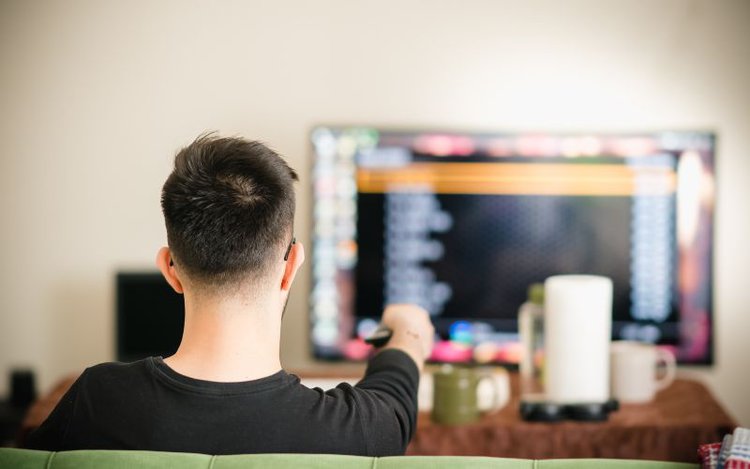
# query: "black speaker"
[22,388]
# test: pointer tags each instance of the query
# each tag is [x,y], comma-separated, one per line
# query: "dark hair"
[229,209]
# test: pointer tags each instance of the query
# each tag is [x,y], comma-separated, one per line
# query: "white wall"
[95,97]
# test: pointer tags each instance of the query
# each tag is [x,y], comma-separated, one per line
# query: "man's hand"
[412,330]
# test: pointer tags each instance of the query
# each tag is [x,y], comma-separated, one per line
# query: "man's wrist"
[410,342]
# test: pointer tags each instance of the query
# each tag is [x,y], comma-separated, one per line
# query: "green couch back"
[11,458]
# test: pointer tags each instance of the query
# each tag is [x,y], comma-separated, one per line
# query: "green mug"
[455,398]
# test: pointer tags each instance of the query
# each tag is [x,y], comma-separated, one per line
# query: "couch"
[12,458]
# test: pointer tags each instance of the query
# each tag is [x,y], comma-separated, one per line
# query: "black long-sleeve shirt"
[147,405]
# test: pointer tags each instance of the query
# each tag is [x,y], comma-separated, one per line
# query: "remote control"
[380,337]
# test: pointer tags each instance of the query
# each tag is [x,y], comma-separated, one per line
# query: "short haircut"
[229,209]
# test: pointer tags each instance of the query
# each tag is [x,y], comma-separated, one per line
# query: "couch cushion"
[451,462]
[90,459]
[114,459]
[23,458]
[308,461]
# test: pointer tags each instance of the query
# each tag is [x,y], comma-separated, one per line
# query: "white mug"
[635,371]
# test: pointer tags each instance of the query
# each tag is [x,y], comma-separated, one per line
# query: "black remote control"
[380,337]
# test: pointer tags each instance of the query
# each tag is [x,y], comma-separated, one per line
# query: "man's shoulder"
[109,372]
[121,367]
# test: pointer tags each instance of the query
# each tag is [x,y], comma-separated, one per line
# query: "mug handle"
[495,407]
[670,368]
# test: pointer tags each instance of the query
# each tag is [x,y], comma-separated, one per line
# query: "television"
[464,223]
[149,316]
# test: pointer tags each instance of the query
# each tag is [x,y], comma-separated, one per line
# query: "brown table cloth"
[670,428]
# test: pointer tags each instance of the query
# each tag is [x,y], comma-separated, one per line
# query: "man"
[229,210]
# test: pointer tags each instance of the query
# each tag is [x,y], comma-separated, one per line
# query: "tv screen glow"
[463,223]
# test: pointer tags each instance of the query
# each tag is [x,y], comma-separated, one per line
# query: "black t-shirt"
[146,405]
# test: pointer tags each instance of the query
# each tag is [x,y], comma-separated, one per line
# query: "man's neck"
[228,339]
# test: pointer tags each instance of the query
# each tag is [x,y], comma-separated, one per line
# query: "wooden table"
[668,429]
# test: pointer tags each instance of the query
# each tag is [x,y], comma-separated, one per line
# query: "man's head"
[229,211]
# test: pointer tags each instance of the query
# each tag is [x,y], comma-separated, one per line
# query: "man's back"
[147,405]
[229,208]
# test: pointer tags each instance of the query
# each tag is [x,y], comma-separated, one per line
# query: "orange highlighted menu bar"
[520,178]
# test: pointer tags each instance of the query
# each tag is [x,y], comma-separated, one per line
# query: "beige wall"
[95,96]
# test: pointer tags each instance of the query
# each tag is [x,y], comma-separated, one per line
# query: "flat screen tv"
[463,223]
[150,316]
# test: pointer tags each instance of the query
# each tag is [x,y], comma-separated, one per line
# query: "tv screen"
[150,316]
[462,224]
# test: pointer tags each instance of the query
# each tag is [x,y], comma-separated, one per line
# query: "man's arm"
[412,331]
[388,404]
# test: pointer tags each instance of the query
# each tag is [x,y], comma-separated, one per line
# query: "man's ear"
[293,263]
[166,266]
